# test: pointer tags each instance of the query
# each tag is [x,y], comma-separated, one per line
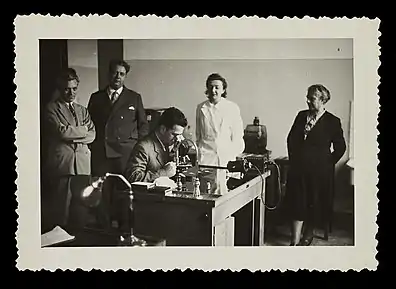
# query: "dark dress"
[310,182]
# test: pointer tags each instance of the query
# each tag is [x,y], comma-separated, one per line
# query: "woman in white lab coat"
[219,130]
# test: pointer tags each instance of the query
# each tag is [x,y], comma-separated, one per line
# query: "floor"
[278,231]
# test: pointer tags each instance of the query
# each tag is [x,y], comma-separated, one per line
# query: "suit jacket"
[118,126]
[68,152]
[147,160]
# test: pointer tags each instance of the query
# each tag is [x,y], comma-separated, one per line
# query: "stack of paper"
[165,182]
[143,185]
[55,236]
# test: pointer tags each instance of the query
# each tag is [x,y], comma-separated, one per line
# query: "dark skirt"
[309,191]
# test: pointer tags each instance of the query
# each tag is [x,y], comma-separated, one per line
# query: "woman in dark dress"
[310,182]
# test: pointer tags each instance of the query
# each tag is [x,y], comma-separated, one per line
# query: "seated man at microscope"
[151,158]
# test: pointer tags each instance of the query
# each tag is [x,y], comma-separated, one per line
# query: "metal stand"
[130,239]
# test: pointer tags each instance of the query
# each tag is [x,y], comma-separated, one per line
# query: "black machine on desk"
[255,137]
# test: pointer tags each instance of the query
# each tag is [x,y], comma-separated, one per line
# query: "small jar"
[208,187]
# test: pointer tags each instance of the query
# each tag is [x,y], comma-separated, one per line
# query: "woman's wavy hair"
[322,90]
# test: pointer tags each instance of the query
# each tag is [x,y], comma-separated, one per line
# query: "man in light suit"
[219,130]
[150,158]
[69,130]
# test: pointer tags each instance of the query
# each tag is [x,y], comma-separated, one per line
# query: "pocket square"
[131,107]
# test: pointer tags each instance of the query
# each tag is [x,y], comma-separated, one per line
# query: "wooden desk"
[233,219]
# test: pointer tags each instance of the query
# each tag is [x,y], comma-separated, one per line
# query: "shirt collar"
[162,144]
[68,104]
[217,105]
[111,90]
[317,116]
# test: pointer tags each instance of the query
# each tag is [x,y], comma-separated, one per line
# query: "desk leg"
[261,220]
[224,233]
[253,221]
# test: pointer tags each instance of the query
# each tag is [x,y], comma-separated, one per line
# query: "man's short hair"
[117,62]
[172,116]
[67,74]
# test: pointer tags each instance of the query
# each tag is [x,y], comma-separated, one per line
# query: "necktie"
[114,97]
[71,107]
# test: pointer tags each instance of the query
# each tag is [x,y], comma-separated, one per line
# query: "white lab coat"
[219,136]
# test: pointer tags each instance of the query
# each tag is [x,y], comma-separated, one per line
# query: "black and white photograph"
[208,138]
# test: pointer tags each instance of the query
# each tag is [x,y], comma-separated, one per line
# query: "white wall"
[82,56]
[267,78]
[137,49]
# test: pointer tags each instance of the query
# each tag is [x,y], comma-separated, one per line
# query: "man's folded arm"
[91,132]
[65,132]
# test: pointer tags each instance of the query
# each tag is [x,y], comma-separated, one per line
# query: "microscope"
[186,158]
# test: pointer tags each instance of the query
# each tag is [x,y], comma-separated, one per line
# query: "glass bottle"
[197,190]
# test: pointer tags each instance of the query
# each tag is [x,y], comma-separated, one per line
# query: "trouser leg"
[60,200]
[120,201]
[101,166]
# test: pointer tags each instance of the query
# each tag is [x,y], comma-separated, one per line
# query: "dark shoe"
[306,241]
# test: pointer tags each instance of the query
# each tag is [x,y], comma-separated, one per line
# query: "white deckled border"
[366,53]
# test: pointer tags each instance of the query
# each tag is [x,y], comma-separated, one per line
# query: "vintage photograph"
[190,142]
